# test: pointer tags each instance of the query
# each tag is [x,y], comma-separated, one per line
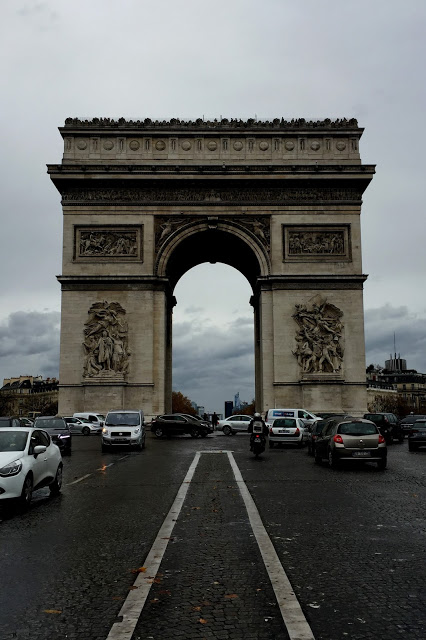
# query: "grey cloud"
[29,344]
[410,336]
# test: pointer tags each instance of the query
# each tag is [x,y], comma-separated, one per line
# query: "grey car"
[352,440]
[82,426]
[230,426]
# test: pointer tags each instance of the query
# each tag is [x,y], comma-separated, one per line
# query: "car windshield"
[50,423]
[85,420]
[125,419]
[5,422]
[357,429]
[285,422]
[319,426]
[374,417]
[13,440]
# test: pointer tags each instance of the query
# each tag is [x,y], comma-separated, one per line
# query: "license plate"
[283,430]
[120,439]
[361,454]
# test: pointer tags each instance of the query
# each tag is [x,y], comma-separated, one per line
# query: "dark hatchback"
[12,421]
[58,430]
[388,424]
[174,424]
[417,435]
[315,429]
[408,421]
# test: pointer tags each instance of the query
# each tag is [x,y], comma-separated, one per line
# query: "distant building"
[237,402]
[28,393]
[409,384]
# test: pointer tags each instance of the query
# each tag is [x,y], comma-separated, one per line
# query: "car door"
[324,438]
[39,463]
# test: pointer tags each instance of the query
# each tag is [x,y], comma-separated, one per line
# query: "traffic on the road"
[171,533]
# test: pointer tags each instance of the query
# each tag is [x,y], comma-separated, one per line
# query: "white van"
[273,414]
[91,416]
[124,427]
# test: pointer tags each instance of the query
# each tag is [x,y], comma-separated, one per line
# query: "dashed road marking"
[79,479]
[106,466]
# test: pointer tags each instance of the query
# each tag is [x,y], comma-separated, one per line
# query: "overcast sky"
[233,58]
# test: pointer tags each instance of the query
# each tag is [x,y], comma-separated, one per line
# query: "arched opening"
[213,337]
[213,355]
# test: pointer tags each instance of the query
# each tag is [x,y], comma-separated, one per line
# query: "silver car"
[83,426]
[231,425]
[288,431]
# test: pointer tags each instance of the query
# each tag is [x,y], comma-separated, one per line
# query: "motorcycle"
[258,444]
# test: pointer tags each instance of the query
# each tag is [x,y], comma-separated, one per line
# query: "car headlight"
[136,431]
[105,431]
[11,469]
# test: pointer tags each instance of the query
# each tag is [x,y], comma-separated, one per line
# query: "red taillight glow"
[296,433]
[338,439]
[270,430]
[381,439]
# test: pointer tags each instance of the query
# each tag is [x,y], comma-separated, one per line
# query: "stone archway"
[143,202]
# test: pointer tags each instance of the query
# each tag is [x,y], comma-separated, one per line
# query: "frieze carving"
[167,194]
[108,242]
[224,123]
[166,226]
[306,243]
[319,339]
[312,242]
[106,342]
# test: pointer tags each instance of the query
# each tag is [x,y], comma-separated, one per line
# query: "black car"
[315,429]
[58,430]
[408,421]
[417,435]
[175,424]
[389,426]
[12,421]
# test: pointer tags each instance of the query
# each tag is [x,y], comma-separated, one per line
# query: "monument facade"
[145,201]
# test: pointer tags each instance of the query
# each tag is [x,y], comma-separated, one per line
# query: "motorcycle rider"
[257,422]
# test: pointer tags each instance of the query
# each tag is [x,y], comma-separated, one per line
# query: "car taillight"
[296,433]
[414,431]
[270,430]
[381,439]
[337,438]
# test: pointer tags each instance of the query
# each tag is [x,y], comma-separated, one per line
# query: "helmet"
[257,416]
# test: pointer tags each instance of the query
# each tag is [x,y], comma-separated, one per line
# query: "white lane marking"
[124,457]
[136,599]
[105,467]
[296,623]
[79,479]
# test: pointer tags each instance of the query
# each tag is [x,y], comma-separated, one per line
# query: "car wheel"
[310,452]
[86,431]
[195,432]
[233,433]
[317,457]
[401,438]
[27,491]
[159,432]
[332,461]
[412,447]
[143,443]
[203,434]
[381,464]
[56,485]
[227,430]
[271,444]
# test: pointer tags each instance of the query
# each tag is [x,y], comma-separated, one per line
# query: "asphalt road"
[351,541]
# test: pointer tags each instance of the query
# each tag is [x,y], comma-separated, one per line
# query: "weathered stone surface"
[279,200]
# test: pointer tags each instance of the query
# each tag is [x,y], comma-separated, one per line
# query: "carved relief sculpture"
[319,339]
[106,341]
[312,242]
[106,243]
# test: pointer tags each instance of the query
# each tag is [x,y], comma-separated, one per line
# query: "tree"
[392,403]
[248,410]
[6,404]
[182,404]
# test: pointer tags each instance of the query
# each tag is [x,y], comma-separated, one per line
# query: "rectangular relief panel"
[108,243]
[316,243]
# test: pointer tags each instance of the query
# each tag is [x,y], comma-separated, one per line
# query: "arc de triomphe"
[145,201]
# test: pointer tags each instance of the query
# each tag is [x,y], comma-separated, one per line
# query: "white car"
[28,461]
[82,425]
[288,431]
[124,428]
[232,424]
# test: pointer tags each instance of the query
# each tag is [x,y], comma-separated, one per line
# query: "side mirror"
[40,448]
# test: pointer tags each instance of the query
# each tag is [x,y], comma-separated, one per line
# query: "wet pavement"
[351,541]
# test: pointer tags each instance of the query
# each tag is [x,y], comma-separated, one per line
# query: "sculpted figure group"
[105,340]
[319,340]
